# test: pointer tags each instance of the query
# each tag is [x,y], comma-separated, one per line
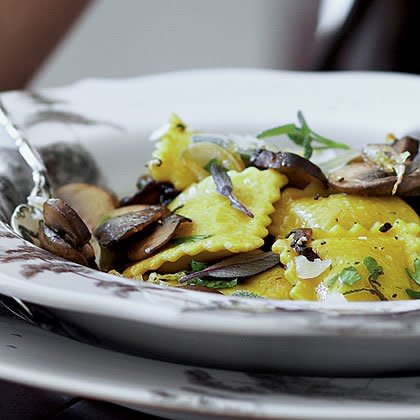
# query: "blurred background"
[50,42]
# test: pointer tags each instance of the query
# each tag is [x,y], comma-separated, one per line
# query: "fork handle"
[42,185]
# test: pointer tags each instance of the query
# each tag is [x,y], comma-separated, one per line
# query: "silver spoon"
[25,218]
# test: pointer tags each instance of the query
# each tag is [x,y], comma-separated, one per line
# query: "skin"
[29,31]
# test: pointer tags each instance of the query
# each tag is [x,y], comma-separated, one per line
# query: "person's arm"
[29,31]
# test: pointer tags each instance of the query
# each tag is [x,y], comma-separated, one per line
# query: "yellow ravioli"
[393,253]
[271,284]
[167,165]
[218,228]
[299,208]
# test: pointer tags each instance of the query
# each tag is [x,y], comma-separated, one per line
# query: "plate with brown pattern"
[97,131]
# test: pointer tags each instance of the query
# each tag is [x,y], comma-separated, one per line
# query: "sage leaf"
[241,265]
[224,187]
[415,275]
[413,294]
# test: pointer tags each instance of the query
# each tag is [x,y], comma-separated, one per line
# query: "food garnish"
[122,227]
[299,170]
[415,275]
[348,276]
[89,201]
[303,136]
[374,269]
[150,192]
[224,187]
[159,237]
[241,265]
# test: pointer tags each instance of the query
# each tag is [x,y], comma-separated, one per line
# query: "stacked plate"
[259,344]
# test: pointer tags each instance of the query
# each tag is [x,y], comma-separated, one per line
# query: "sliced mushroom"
[151,192]
[301,238]
[160,236]
[89,201]
[366,179]
[122,227]
[53,242]
[299,170]
[124,210]
[89,253]
[59,216]
[407,144]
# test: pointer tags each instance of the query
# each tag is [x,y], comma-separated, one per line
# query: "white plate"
[356,338]
[36,357]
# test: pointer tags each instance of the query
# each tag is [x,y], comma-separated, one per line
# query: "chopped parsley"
[247,294]
[197,265]
[214,284]
[374,269]
[415,275]
[348,276]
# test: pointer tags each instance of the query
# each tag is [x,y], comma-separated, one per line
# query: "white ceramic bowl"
[298,337]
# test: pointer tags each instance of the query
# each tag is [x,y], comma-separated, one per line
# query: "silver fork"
[26,216]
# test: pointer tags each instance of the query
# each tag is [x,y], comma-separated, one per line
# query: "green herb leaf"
[278,131]
[348,276]
[197,265]
[214,284]
[416,274]
[246,294]
[374,269]
[413,294]
[192,238]
[303,136]
[209,164]
[224,187]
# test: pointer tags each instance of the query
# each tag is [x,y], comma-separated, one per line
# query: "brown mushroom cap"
[162,234]
[59,216]
[365,179]
[150,192]
[407,144]
[122,227]
[89,201]
[299,170]
[51,241]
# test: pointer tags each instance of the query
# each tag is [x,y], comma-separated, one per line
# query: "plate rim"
[333,319]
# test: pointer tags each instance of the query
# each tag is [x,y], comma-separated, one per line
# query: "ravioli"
[270,284]
[218,229]
[307,208]
[167,165]
[394,254]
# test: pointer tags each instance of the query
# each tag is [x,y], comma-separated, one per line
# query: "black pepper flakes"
[385,227]
[316,196]
[396,237]
[394,295]
[323,242]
